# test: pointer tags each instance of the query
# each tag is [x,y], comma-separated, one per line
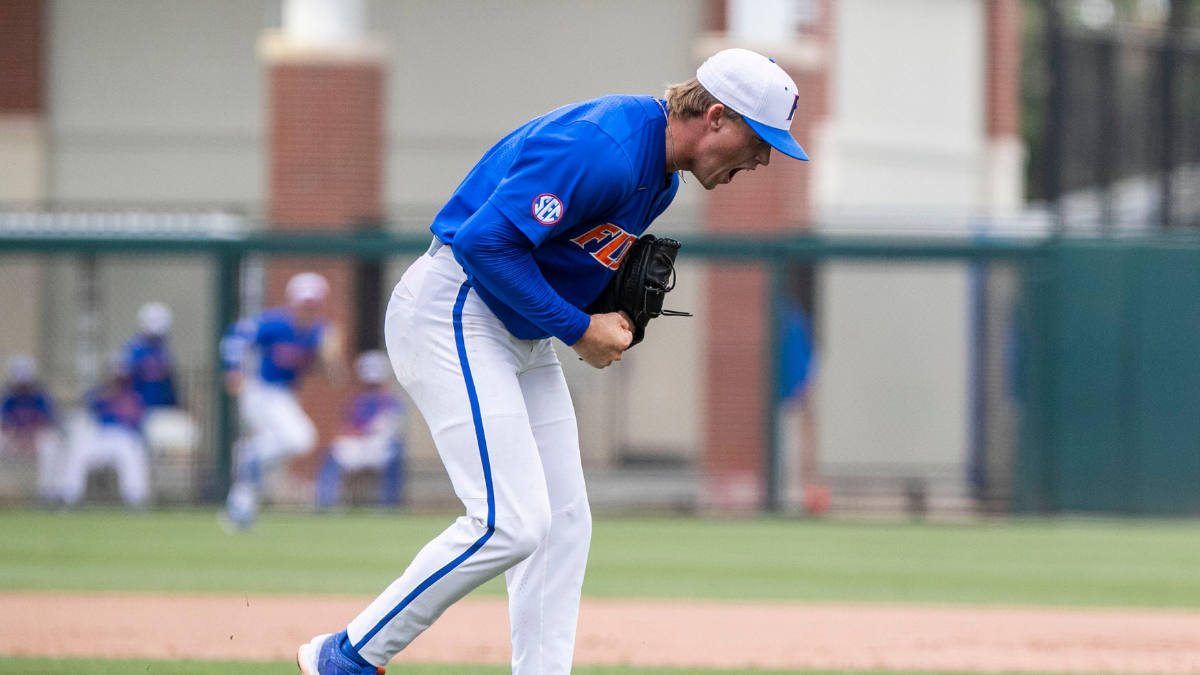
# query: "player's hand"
[607,337]
[233,383]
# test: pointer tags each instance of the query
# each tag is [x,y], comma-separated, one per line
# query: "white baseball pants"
[50,459]
[278,429]
[357,453]
[48,445]
[504,425]
[278,426]
[95,446]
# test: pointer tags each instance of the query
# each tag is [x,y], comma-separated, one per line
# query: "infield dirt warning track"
[625,632]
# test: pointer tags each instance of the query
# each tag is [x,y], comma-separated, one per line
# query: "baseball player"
[151,365]
[113,438]
[287,342]
[528,241]
[374,421]
[27,422]
[147,357]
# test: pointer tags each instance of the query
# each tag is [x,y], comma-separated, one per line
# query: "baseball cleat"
[306,655]
[231,525]
[241,508]
[322,656]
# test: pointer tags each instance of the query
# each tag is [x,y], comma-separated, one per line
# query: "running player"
[528,240]
[287,342]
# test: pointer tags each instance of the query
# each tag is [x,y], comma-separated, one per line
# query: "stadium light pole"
[1169,86]
[1056,108]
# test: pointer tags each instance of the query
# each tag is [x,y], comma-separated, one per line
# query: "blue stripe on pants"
[477,417]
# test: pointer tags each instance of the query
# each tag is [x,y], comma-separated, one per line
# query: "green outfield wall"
[1110,379]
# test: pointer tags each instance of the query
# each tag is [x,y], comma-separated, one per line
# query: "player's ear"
[715,116]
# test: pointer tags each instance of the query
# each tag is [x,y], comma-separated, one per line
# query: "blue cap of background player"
[756,88]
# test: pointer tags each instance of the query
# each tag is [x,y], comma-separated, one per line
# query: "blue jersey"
[285,349]
[26,408]
[116,403]
[150,365]
[582,183]
[367,407]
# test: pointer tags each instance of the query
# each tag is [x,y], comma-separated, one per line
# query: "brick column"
[326,150]
[22,169]
[768,201]
[22,108]
[1006,154]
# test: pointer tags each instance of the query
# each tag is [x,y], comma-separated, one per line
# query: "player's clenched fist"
[607,336]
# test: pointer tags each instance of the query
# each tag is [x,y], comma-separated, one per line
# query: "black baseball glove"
[641,284]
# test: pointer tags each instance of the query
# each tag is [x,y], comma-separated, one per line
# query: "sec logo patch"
[547,209]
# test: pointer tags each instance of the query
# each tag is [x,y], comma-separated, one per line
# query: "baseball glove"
[641,284]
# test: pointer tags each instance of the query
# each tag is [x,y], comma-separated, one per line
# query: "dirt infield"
[626,632]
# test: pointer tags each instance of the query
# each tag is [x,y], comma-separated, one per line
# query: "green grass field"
[1101,563]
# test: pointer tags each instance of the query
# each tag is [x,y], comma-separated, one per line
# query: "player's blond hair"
[690,99]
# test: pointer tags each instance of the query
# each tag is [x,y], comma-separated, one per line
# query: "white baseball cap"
[756,88]
[155,318]
[307,287]
[373,367]
[22,368]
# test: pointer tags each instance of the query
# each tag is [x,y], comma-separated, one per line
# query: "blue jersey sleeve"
[129,354]
[499,256]
[6,410]
[564,175]
[47,406]
[235,343]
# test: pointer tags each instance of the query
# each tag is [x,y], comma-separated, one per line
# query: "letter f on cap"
[756,88]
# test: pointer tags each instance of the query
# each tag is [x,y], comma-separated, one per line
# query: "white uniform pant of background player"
[95,446]
[278,428]
[51,455]
[363,453]
[503,423]
[277,424]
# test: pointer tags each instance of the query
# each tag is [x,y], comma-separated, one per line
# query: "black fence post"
[368,294]
[228,263]
[773,453]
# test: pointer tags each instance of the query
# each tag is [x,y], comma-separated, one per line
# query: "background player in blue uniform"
[529,240]
[285,343]
[28,425]
[374,422]
[112,438]
[148,359]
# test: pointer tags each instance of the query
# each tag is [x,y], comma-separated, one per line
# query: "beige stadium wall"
[162,105]
[904,148]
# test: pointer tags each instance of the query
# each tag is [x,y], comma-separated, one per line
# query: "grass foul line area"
[1036,562]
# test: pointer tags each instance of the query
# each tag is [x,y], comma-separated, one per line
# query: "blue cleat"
[331,654]
[241,508]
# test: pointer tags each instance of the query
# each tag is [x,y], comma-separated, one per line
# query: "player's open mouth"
[730,176]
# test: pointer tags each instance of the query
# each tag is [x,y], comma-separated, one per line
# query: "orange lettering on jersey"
[612,254]
[614,243]
[597,234]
